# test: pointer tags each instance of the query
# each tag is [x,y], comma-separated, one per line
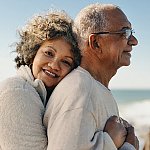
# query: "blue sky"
[15,13]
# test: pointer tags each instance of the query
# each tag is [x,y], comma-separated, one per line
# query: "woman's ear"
[93,42]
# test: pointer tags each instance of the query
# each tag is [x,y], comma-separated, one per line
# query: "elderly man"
[78,112]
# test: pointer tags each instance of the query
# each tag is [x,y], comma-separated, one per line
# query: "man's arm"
[76,130]
[70,117]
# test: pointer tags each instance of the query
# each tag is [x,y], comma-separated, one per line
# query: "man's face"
[117,47]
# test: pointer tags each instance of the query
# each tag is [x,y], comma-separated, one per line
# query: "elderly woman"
[46,53]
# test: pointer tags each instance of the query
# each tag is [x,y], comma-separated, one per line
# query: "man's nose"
[133,41]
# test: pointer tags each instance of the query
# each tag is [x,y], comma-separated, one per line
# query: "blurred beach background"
[134,106]
[130,86]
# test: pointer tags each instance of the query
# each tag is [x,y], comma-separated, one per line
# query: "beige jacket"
[77,112]
[21,111]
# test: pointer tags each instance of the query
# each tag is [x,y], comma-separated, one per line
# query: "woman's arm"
[21,125]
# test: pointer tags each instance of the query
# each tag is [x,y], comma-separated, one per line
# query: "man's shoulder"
[78,75]
[72,92]
[77,79]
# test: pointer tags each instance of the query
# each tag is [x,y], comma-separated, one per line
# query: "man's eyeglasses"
[126,32]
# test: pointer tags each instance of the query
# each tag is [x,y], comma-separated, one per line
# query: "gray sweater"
[22,101]
[21,111]
[77,112]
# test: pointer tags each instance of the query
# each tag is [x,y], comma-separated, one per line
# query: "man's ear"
[93,42]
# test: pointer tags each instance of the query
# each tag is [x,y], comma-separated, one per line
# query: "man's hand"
[131,138]
[116,129]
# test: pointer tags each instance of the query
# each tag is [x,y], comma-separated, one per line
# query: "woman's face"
[52,62]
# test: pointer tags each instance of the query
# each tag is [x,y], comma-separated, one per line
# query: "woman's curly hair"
[52,25]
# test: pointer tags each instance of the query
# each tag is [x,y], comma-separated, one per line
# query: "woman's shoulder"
[12,83]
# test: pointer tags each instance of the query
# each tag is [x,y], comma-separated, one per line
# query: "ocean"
[131,96]
[134,106]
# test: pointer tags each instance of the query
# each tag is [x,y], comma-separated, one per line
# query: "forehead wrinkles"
[117,19]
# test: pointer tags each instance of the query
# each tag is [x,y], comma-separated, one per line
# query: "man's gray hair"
[92,19]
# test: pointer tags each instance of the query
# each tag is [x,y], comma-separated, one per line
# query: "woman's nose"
[54,65]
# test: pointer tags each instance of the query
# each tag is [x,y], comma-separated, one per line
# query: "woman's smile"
[51,74]
[53,61]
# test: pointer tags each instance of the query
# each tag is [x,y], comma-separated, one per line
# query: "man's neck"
[97,69]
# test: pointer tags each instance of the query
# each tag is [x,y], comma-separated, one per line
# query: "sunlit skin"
[118,49]
[108,52]
[53,61]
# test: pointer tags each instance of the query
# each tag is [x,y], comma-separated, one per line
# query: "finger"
[114,118]
[126,124]
[137,143]
[130,129]
[118,120]
[130,132]
[121,120]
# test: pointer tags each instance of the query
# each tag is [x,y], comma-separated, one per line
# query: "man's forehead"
[118,20]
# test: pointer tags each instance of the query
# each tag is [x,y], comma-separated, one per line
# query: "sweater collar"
[25,73]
